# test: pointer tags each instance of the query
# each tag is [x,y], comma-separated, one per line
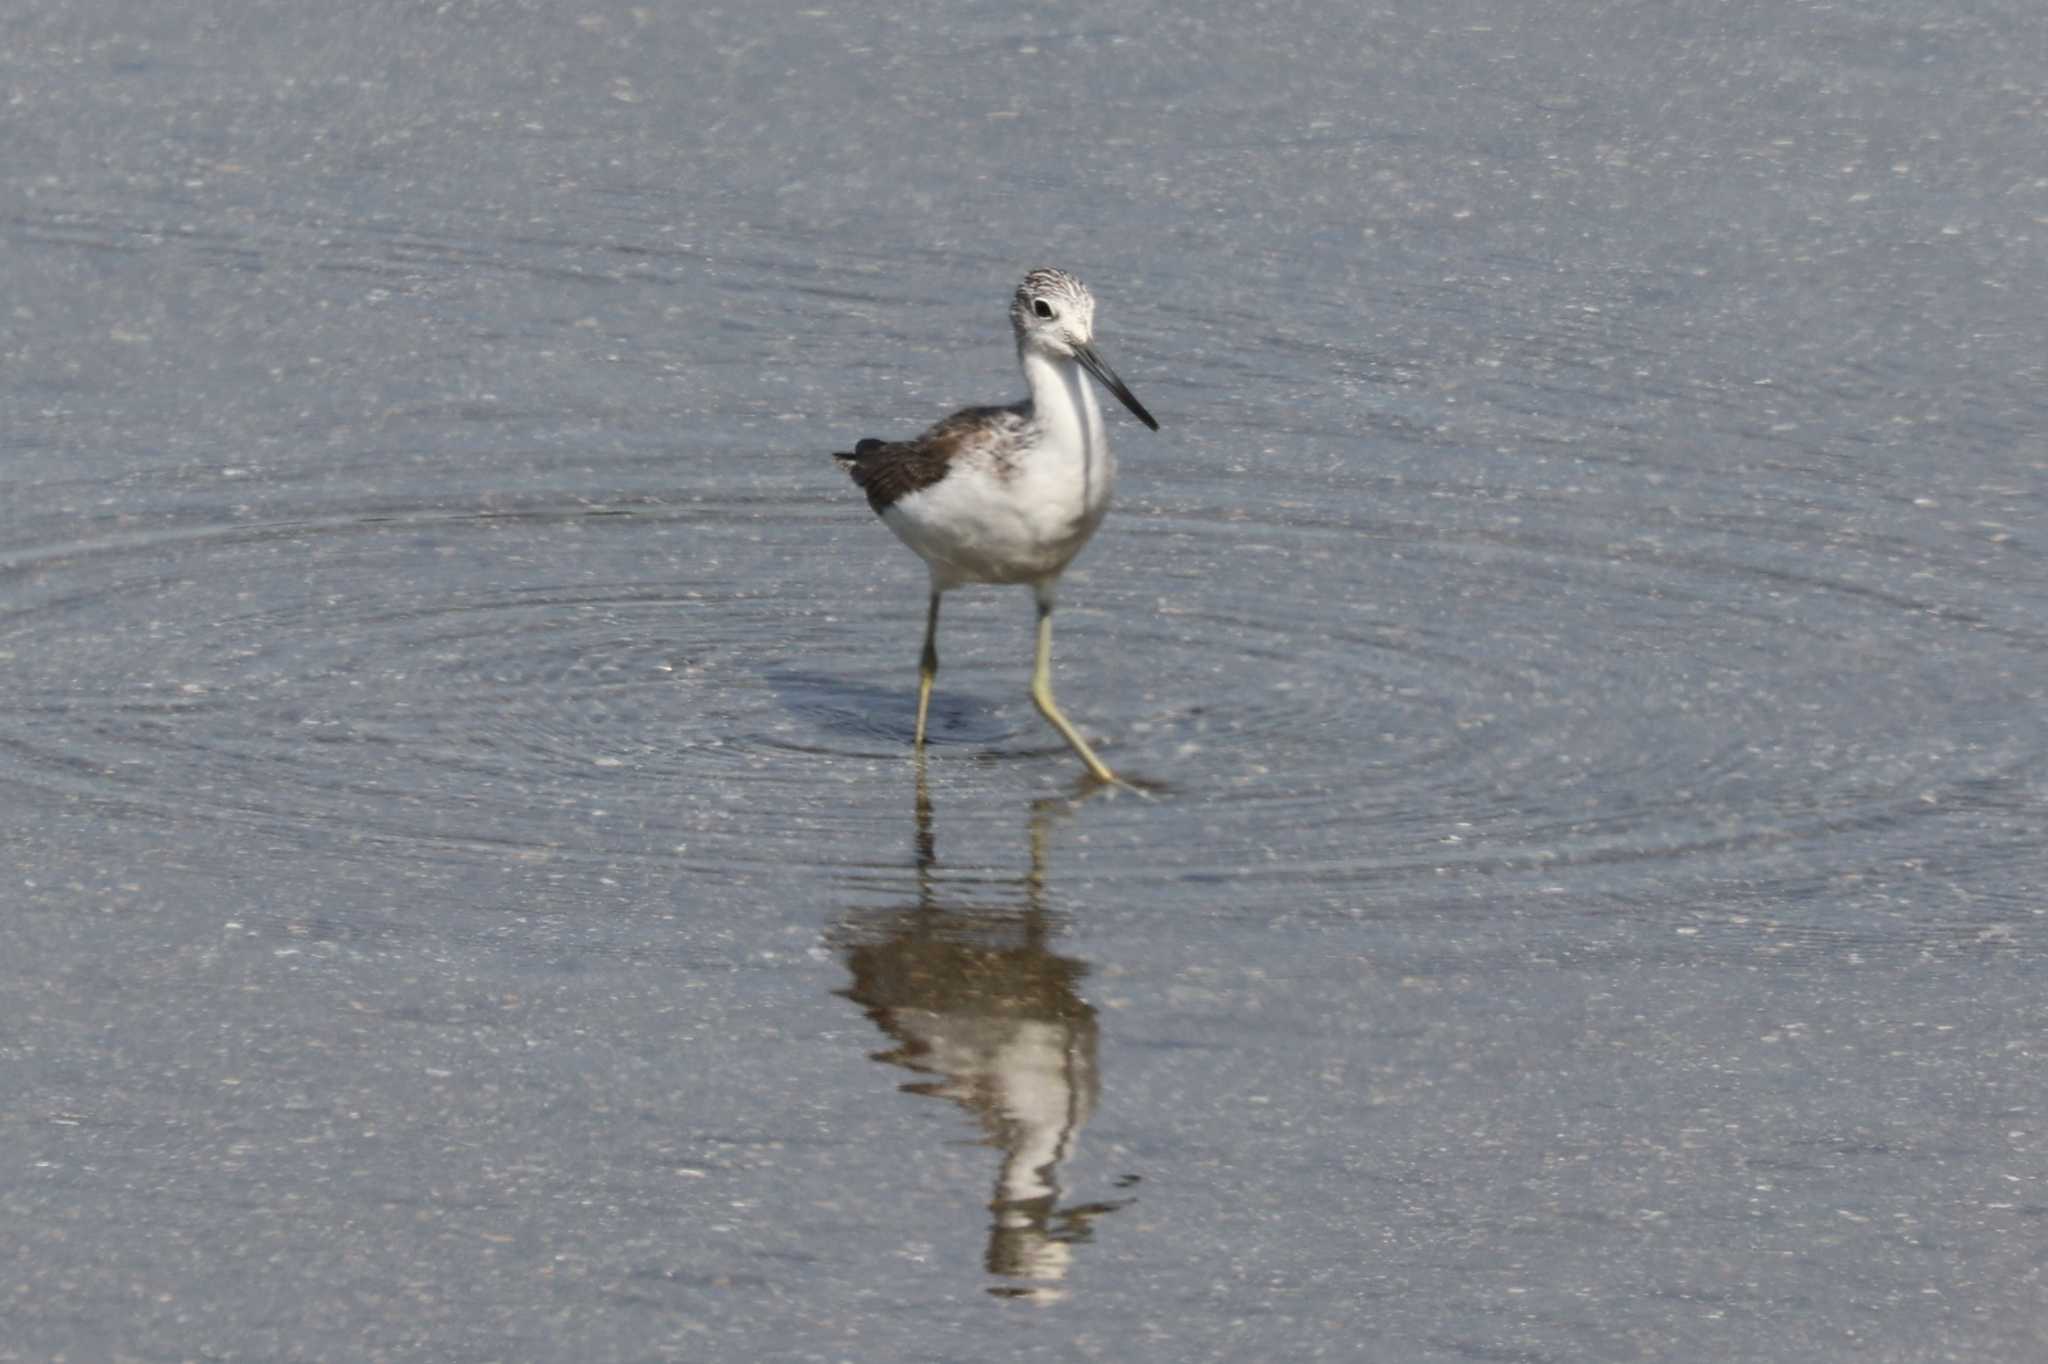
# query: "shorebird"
[1009,494]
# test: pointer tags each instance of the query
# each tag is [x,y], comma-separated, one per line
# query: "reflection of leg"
[927,845]
[1037,925]
[1042,812]
[927,666]
[1041,693]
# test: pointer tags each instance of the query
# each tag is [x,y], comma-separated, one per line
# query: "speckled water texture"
[467,893]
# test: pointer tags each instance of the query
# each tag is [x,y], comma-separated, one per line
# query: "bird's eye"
[1041,307]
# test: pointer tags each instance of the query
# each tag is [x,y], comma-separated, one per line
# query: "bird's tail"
[861,450]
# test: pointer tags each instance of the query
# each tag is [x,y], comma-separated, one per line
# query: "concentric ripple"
[1442,690]
[377,676]
[1501,698]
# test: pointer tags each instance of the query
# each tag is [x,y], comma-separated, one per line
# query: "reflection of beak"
[1099,367]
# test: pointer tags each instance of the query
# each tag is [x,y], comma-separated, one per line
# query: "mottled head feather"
[1066,298]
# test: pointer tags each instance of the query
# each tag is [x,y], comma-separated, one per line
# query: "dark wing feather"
[888,470]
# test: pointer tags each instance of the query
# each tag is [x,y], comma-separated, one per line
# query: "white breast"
[1019,510]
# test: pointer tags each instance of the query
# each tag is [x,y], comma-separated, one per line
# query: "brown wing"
[888,470]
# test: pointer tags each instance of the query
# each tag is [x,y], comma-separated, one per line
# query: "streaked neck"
[1061,400]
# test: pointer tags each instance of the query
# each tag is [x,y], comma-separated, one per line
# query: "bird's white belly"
[978,525]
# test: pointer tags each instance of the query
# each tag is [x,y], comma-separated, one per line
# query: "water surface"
[1585,614]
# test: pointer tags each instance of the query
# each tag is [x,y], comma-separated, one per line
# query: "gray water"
[467,893]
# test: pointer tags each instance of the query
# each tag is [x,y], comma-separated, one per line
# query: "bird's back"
[981,497]
[888,471]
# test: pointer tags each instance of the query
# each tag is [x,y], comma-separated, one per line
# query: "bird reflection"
[976,1003]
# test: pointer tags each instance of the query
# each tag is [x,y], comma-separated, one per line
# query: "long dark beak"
[1099,367]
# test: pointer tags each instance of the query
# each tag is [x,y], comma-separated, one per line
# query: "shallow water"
[1584,620]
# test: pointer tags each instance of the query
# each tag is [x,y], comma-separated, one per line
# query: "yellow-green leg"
[927,667]
[1041,695]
